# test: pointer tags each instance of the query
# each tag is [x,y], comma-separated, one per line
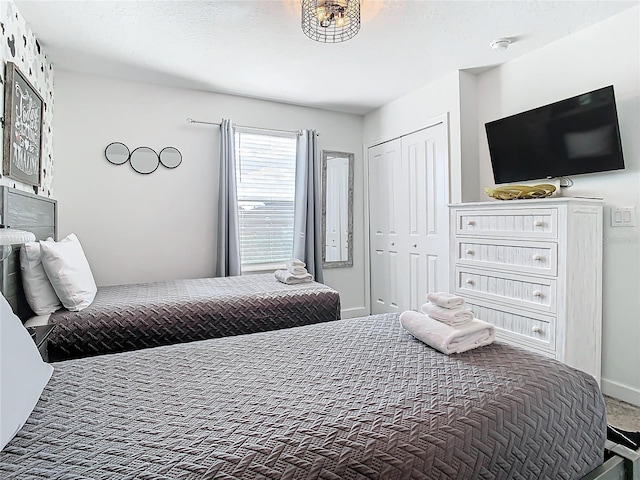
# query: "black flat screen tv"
[574,136]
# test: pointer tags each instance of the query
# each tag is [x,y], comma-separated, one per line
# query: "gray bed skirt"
[354,399]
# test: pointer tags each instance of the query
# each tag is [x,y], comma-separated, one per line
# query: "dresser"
[533,268]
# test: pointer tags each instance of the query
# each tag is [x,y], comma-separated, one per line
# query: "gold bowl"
[513,192]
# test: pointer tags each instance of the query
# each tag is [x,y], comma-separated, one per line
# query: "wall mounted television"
[573,136]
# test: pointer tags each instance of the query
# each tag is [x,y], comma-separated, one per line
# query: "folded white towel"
[444,338]
[285,276]
[297,270]
[445,299]
[294,262]
[454,317]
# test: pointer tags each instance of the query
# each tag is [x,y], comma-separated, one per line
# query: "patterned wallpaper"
[21,47]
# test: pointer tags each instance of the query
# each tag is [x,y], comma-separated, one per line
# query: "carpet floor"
[622,415]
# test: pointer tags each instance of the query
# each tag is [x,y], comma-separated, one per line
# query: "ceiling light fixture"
[330,21]
[501,44]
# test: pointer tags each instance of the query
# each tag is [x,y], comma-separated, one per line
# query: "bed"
[352,399]
[129,317]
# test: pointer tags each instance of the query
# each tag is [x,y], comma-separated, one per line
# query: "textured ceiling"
[257,48]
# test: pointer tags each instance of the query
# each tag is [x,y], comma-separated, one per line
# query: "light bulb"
[321,14]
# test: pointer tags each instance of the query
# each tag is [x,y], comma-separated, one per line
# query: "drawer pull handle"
[469,252]
[393,243]
[537,258]
[537,293]
[538,223]
[469,281]
[471,223]
[536,329]
[415,245]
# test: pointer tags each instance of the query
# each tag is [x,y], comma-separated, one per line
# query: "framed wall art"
[23,108]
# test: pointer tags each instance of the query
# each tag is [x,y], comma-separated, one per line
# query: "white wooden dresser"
[533,268]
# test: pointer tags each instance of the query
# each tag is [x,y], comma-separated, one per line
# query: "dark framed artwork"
[23,114]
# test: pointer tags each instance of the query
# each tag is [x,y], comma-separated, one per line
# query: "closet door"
[409,234]
[425,158]
[387,247]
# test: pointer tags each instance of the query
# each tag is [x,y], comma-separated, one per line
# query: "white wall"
[415,110]
[140,228]
[469,133]
[605,54]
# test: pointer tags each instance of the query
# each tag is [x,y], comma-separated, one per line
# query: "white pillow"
[69,272]
[23,374]
[37,288]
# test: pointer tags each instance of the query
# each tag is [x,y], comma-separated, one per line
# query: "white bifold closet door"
[409,237]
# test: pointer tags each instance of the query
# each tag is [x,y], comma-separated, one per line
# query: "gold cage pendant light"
[330,21]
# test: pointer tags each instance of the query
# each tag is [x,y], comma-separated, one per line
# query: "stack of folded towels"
[446,325]
[296,272]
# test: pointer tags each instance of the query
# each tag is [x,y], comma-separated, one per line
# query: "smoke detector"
[501,44]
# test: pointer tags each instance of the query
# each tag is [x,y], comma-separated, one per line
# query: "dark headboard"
[33,213]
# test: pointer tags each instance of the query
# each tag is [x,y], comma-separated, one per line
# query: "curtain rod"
[297,132]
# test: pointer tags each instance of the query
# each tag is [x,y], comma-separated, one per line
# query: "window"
[265,177]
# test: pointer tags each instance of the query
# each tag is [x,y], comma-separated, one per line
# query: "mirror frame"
[110,160]
[326,154]
[166,151]
[144,149]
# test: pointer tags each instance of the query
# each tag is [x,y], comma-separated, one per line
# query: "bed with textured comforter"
[131,317]
[352,399]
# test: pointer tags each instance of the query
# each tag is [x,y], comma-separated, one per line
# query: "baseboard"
[621,391]
[354,312]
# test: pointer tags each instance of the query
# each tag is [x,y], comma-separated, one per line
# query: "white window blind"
[265,177]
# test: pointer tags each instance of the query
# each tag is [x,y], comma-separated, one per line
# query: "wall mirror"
[144,160]
[170,157]
[117,153]
[337,209]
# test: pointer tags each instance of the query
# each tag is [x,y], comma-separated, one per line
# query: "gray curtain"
[228,257]
[307,223]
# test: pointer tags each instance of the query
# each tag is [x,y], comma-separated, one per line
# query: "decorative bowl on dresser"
[533,268]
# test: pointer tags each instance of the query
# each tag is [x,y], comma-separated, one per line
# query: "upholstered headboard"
[23,211]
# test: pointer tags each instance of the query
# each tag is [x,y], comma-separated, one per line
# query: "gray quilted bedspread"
[354,399]
[130,317]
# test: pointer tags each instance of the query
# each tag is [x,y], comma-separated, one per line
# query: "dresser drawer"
[534,223]
[517,290]
[528,257]
[528,328]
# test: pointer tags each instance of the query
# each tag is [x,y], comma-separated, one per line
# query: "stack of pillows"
[56,274]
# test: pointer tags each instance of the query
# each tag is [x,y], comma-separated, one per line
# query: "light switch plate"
[623,217]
